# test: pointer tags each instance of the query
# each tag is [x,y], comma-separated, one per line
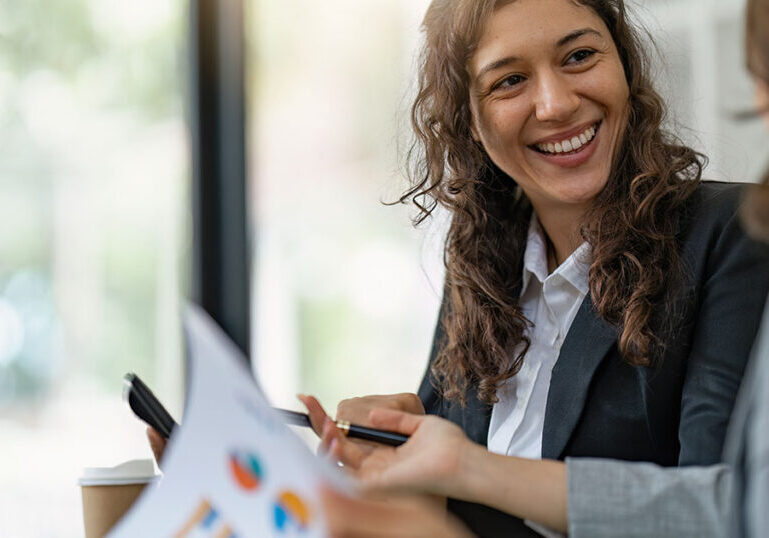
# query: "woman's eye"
[580,56]
[508,82]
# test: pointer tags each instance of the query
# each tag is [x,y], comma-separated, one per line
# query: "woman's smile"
[570,149]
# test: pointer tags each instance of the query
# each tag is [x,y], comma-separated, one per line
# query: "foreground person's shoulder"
[714,203]
[720,195]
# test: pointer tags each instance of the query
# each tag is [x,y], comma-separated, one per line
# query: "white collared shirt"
[551,302]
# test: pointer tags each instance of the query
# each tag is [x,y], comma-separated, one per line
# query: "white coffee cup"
[109,492]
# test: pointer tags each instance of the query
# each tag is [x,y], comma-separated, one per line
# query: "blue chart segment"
[291,513]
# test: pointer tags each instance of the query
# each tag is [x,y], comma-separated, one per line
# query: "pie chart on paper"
[246,470]
[291,513]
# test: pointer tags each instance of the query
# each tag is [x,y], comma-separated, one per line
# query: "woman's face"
[549,99]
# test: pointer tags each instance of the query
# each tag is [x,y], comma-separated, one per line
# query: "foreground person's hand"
[432,462]
[438,459]
[157,444]
[365,518]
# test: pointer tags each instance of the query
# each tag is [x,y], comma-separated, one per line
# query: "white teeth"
[575,143]
[567,146]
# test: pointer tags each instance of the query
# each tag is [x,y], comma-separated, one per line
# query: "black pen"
[148,408]
[349,430]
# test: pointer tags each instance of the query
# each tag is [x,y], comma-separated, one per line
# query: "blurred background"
[95,203]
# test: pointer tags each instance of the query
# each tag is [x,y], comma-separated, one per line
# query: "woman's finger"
[340,448]
[356,410]
[315,411]
[396,421]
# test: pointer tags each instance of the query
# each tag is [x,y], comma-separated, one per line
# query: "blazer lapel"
[586,344]
[474,418]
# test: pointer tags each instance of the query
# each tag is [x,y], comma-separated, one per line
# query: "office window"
[93,171]
[701,74]
[346,290]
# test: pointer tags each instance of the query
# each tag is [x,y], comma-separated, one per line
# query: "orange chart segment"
[246,470]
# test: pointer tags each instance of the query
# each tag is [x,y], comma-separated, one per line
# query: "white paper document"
[232,469]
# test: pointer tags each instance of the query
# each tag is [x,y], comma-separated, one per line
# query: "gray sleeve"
[756,472]
[609,498]
[757,501]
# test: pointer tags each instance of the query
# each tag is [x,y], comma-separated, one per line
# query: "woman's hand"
[361,518]
[355,410]
[349,453]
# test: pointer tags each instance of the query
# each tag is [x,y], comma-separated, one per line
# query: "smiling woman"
[552,112]
[596,296]
[582,73]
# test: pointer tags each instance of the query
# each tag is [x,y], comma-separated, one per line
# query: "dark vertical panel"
[217,119]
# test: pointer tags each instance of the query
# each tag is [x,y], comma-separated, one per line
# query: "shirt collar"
[574,269]
[535,256]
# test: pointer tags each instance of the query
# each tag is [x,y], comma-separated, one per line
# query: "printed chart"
[232,469]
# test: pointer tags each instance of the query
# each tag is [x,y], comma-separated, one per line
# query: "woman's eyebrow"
[576,34]
[504,62]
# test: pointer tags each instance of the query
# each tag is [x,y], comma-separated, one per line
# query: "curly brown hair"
[632,226]
[755,214]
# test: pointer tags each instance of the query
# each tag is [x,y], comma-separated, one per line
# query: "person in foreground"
[593,497]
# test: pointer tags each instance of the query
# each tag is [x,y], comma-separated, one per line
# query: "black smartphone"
[146,406]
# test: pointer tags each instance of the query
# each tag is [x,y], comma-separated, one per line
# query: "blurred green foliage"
[110,85]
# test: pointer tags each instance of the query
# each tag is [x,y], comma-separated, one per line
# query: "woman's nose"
[555,101]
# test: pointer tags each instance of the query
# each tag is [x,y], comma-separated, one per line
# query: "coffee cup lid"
[130,472]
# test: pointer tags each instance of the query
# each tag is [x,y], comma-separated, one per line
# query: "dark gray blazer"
[672,414]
